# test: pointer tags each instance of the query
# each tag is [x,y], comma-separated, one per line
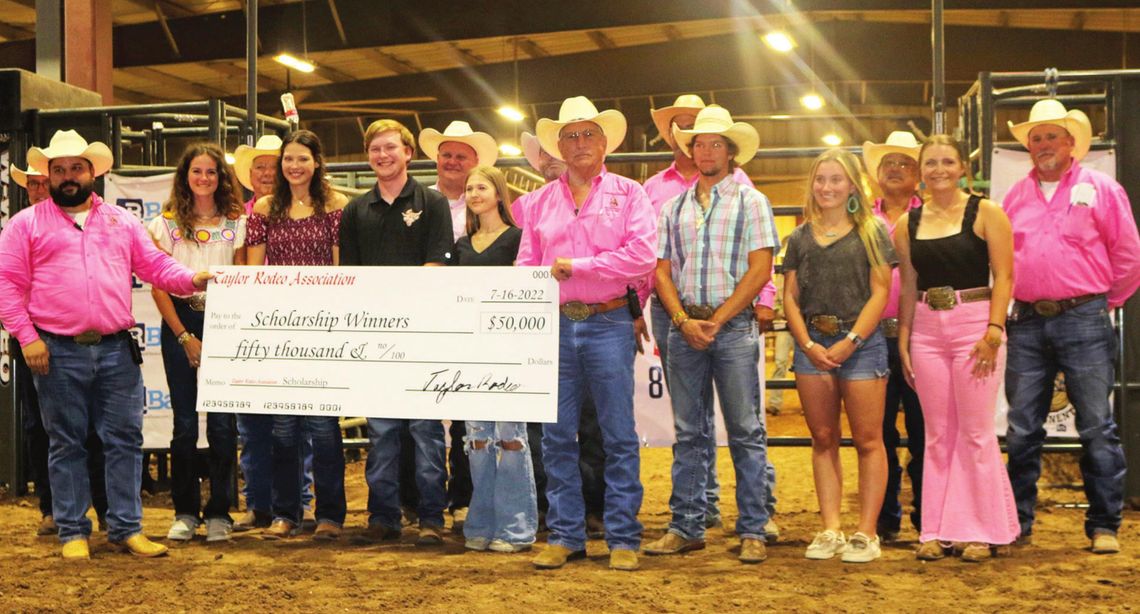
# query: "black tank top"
[960,261]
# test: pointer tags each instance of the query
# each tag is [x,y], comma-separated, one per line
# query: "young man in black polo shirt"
[399,223]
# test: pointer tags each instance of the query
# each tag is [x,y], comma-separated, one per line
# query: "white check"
[465,343]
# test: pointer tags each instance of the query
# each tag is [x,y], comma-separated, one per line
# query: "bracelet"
[184,337]
[997,326]
[810,344]
[680,318]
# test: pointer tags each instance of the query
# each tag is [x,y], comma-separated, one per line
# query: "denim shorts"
[867,362]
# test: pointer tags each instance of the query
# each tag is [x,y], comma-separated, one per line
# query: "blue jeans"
[256,462]
[729,362]
[594,354]
[97,385]
[504,504]
[1081,344]
[288,467]
[382,471]
[221,433]
[899,392]
[661,327]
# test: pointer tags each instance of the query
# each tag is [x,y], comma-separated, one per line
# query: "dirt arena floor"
[1056,574]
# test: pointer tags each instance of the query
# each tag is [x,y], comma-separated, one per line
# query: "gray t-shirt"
[836,279]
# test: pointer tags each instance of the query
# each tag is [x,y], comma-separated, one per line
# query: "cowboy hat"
[899,141]
[68,144]
[1051,111]
[580,109]
[21,176]
[663,117]
[531,150]
[244,155]
[486,150]
[714,119]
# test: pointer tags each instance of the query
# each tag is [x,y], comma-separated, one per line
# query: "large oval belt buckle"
[1047,309]
[700,312]
[576,310]
[88,337]
[941,298]
[197,302]
[827,325]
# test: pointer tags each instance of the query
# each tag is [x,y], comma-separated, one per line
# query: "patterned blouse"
[288,242]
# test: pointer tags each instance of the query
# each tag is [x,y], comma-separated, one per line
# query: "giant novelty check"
[465,343]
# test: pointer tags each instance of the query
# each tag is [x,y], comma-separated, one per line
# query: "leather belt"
[890,327]
[197,302]
[830,325]
[943,298]
[89,337]
[578,311]
[699,312]
[1050,309]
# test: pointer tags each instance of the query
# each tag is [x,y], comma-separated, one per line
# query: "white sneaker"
[826,545]
[183,528]
[218,530]
[477,543]
[502,545]
[862,549]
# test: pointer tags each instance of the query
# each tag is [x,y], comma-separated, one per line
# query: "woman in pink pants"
[951,329]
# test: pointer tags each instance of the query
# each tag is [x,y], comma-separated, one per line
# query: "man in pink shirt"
[1076,256]
[65,293]
[663,187]
[256,167]
[894,164]
[456,151]
[596,232]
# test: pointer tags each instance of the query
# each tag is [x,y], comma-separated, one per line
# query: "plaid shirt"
[709,249]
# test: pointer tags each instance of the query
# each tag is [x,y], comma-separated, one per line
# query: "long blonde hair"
[864,220]
[502,192]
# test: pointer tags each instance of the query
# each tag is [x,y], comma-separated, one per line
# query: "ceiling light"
[295,63]
[779,117]
[511,113]
[508,149]
[779,41]
[812,102]
[832,140]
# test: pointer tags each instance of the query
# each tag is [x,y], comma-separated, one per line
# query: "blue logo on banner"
[156,400]
[146,337]
[141,209]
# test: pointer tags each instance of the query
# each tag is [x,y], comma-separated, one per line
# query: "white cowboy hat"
[899,141]
[244,155]
[531,150]
[68,144]
[21,176]
[1051,111]
[663,117]
[580,109]
[714,119]
[486,150]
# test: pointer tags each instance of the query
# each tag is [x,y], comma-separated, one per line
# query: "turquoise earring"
[852,203]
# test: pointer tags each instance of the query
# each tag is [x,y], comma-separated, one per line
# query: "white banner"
[471,343]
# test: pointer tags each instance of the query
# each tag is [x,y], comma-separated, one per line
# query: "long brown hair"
[951,142]
[319,190]
[226,195]
[864,220]
[499,182]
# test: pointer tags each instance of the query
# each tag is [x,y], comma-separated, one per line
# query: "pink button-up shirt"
[1081,241]
[892,310]
[67,281]
[610,240]
[670,183]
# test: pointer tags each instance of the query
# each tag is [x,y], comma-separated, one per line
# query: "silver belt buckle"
[197,302]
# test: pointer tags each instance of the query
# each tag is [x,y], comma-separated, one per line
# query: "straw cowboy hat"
[1051,111]
[484,144]
[899,141]
[714,119]
[68,144]
[531,149]
[663,117]
[580,109]
[244,155]
[21,176]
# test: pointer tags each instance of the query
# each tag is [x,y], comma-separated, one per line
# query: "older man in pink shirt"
[1076,256]
[65,293]
[596,232]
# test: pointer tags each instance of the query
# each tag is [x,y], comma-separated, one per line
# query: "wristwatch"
[855,339]
[184,337]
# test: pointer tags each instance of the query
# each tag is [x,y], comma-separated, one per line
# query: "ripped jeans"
[504,504]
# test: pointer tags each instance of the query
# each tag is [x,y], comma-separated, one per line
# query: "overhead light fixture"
[832,140]
[507,149]
[779,116]
[511,113]
[295,63]
[779,41]
[230,158]
[812,102]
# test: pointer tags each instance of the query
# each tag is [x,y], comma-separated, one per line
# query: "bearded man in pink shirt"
[1076,256]
[596,232]
[65,293]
